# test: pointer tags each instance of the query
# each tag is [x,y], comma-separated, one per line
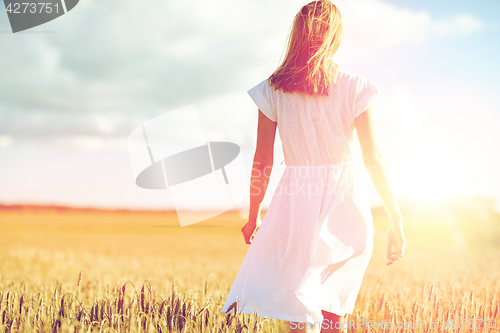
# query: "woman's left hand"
[250,229]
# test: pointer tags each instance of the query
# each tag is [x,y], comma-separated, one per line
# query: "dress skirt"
[312,249]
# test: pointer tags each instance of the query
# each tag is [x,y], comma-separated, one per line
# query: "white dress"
[315,242]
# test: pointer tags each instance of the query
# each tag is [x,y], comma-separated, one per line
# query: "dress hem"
[277,315]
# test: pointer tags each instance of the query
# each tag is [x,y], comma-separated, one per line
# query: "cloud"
[89,143]
[114,55]
[370,26]
[111,65]
[5,140]
[457,26]
[38,123]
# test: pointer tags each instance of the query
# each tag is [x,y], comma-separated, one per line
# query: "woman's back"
[317,130]
[307,260]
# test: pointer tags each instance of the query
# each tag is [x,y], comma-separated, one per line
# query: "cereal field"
[112,271]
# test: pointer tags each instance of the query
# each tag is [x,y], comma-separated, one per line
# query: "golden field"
[78,270]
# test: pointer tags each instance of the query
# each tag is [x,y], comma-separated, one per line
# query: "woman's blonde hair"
[315,37]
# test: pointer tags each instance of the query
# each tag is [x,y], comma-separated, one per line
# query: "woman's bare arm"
[261,171]
[374,163]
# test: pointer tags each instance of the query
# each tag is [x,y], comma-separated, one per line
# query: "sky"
[73,89]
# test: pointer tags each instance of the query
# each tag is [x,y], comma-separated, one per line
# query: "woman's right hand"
[396,242]
[249,230]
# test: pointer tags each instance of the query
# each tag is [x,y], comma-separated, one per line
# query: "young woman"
[306,262]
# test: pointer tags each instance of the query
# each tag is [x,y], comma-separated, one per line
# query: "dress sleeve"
[260,96]
[365,92]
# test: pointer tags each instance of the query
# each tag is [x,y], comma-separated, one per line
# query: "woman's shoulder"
[353,82]
[343,74]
